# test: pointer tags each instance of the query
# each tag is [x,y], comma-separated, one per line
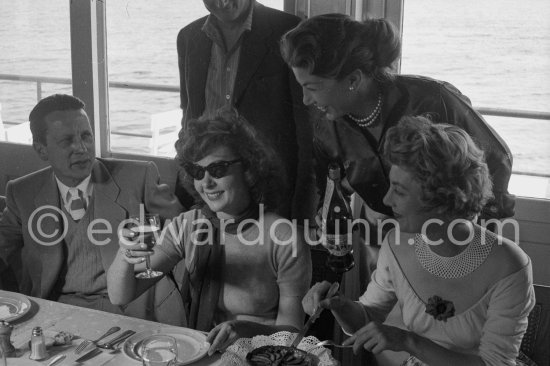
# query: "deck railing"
[39,80]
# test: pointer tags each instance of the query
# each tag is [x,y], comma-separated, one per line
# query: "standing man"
[231,58]
[58,232]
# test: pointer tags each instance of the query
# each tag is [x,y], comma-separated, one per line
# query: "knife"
[331,292]
[121,337]
[57,359]
[88,355]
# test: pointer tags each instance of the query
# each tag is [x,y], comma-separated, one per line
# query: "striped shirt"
[222,70]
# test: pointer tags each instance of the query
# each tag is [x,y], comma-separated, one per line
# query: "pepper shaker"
[5,341]
[38,345]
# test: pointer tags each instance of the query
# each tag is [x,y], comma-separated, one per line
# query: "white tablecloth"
[84,323]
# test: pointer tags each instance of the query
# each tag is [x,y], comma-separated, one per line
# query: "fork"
[84,344]
[329,342]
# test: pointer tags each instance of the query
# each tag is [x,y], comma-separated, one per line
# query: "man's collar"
[84,186]
[247,24]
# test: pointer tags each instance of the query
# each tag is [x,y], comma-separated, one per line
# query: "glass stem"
[148,264]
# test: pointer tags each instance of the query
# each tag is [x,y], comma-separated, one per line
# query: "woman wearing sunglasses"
[245,270]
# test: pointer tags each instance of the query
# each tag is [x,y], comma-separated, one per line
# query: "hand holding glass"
[159,350]
[145,230]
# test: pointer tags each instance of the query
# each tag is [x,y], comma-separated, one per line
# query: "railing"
[39,80]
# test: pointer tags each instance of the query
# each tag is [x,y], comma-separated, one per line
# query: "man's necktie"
[77,203]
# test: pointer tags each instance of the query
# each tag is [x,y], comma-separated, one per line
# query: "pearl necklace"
[370,119]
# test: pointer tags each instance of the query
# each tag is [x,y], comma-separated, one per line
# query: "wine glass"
[146,229]
[159,350]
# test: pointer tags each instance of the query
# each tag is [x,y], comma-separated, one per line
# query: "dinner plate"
[13,306]
[192,345]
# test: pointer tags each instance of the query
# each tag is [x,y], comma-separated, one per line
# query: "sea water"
[497,52]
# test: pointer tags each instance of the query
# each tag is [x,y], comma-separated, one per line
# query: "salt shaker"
[38,345]
[5,342]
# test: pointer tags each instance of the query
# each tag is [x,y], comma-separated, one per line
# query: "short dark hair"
[264,171]
[445,160]
[334,45]
[55,102]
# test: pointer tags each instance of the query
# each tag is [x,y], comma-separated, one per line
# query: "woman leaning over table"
[234,288]
[345,69]
[465,292]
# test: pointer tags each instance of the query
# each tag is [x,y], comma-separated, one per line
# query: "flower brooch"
[440,309]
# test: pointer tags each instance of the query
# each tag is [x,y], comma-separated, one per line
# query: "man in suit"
[58,232]
[231,58]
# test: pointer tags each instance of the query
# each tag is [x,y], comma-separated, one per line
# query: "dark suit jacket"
[266,93]
[120,187]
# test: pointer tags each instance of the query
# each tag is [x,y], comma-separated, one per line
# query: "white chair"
[20,133]
[165,127]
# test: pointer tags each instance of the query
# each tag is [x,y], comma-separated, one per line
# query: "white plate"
[13,306]
[192,345]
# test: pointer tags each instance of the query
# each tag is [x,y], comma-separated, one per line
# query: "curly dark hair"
[264,172]
[445,160]
[334,45]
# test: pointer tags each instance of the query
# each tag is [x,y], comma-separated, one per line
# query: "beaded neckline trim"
[461,264]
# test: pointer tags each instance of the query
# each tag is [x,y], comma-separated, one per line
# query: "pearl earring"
[351,87]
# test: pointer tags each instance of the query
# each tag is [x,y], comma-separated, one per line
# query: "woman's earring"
[351,87]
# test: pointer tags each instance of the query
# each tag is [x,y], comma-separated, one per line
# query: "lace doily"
[235,355]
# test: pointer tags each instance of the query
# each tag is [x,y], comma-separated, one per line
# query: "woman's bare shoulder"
[505,254]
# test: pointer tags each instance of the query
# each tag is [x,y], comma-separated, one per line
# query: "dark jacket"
[266,93]
[358,151]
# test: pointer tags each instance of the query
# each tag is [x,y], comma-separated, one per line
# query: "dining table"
[83,323]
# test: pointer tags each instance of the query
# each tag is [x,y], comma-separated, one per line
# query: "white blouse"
[492,328]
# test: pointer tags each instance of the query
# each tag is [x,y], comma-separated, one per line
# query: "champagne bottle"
[336,219]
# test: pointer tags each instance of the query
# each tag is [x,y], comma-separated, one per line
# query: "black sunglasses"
[216,170]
